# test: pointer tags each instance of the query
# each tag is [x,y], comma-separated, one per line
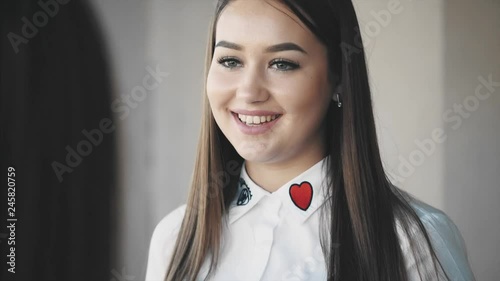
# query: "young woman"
[288,183]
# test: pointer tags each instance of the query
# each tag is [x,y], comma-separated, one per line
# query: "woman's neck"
[271,176]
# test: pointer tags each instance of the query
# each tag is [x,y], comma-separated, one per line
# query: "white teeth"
[256,120]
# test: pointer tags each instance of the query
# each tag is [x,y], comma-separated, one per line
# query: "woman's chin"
[255,154]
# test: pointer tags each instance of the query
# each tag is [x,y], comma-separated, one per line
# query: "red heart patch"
[301,195]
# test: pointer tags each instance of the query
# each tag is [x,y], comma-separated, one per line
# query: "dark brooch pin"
[245,194]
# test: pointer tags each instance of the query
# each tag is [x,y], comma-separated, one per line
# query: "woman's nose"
[252,87]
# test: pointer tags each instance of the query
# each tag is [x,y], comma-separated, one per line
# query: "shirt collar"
[302,195]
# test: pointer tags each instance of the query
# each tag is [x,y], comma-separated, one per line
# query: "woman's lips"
[255,123]
[256,120]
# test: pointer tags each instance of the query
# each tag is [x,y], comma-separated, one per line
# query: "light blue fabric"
[447,241]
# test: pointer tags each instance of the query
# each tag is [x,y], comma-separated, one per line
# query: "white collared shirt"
[275,236]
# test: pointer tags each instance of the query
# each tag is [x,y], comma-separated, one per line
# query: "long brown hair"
[361,241]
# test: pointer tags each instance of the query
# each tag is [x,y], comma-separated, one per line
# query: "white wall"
[406,76]
[422,61]
[471,178]
[125,24]
[158,136]
[178,36]
[424,64]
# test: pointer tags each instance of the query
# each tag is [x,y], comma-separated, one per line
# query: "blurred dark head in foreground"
[57,133]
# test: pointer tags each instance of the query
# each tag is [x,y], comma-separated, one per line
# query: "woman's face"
[267,84]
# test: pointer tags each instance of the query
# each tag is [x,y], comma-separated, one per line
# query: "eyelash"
[226,59]
[289,64]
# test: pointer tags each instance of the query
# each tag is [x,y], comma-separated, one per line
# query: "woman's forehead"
[244,19]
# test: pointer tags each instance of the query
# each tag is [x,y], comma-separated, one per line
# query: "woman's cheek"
[219,84]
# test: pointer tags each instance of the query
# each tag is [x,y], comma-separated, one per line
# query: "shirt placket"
[264,237]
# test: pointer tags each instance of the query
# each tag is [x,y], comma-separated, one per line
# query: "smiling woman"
[288,103]
[273,69]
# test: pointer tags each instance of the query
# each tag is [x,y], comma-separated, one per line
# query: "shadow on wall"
[57,136]
[472,127]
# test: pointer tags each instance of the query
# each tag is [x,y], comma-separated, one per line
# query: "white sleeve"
[448,245]
[162,244]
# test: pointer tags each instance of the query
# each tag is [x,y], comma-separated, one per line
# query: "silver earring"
[339,102]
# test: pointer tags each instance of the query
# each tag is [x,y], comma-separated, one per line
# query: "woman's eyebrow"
[229,45]
[287,46]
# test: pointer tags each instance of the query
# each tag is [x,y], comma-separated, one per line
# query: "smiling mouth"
[250,120]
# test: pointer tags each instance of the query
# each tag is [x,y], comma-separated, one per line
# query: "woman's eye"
[229,62]
[283,65]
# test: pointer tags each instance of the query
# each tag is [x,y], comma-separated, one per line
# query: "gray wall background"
[425,61]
